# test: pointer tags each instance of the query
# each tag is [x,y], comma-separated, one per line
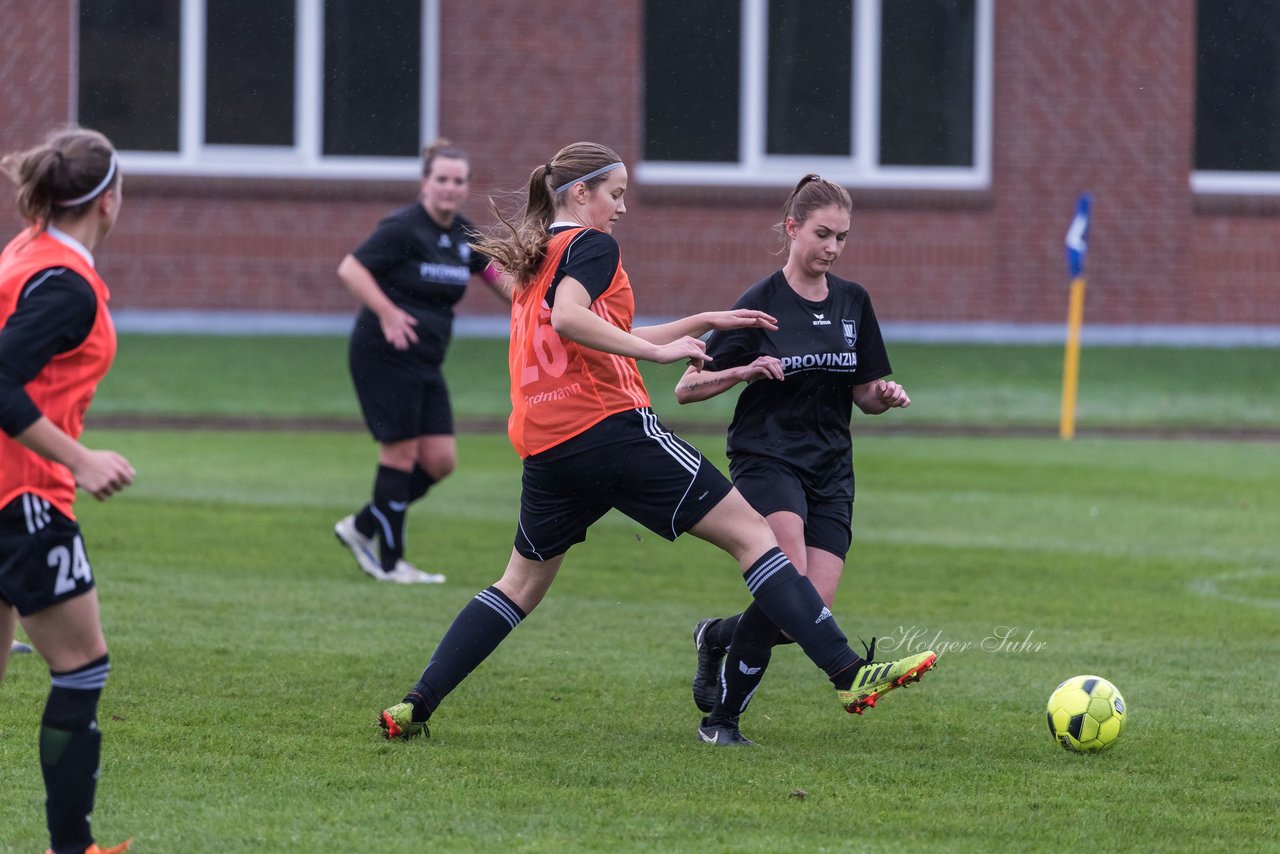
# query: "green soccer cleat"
[876,678]
[398,722]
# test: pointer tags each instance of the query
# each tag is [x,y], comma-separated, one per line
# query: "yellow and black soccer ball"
[1086,714]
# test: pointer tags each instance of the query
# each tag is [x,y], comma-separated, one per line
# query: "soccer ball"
[1086,714]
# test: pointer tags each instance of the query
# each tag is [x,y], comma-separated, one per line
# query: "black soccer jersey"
[826,348]
[424,269]
[592,259]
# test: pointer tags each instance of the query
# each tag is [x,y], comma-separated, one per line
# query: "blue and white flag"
[1077,241]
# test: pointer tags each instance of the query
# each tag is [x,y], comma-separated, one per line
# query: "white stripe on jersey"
[55,271]
[564,259]
[628,381]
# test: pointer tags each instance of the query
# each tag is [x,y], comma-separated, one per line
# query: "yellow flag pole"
[1071,360]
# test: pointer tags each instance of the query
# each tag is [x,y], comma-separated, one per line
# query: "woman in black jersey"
[408,274]
[790,450]
[56,343]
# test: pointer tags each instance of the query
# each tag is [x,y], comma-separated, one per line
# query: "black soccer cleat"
[706,678]
[723,735]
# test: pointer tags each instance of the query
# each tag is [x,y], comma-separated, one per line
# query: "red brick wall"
[1089,95]
[35,74]
[1095,95]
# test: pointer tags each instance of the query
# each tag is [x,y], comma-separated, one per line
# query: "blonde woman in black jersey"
[789,445]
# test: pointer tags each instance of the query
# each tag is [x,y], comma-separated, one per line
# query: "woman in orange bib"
[56,344]
[581,420]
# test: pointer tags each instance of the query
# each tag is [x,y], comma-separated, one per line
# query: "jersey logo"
[819,319]
[444,241]
[850,332]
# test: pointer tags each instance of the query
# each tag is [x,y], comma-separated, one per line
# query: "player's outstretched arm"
[572,318]
[697,325]
[698,385]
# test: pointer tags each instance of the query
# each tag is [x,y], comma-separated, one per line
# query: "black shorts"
[628,461]
[401,397]
[770,485]
[42,556]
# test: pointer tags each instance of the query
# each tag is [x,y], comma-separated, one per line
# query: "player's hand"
[692,349]
[892,395]
[764,368]
[102,473]
[742,318]
[397,328]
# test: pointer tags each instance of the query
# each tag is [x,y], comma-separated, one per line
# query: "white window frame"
[304,159]
[756,168]
[1230,183]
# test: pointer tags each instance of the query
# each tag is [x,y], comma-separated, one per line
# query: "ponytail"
[521,250]
[63,176]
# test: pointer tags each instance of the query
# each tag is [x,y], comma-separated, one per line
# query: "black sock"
[390,501]
[745,663]
[365,523]
[480,626]
[789,600]
[720,634]
[419,483]
[70,746]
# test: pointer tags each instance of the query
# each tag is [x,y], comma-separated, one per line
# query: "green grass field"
[250,655]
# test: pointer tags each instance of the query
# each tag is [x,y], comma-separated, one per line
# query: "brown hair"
[520,252]
[442,148]
[811,193]
[69,164]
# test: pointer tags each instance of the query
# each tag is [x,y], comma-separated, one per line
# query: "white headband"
[106,182]
[589,176]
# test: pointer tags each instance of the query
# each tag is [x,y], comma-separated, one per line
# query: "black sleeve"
[54,314]
[873,358]
[731,348]
[387,247]
[592,258]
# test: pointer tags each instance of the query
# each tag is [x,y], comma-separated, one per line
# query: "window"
[1237,147]
[261,87]
[692,66]
[135,102]
[371,107]
[248,74]
[887,93]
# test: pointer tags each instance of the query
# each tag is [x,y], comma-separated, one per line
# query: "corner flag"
[1077,242]
[1077,245]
